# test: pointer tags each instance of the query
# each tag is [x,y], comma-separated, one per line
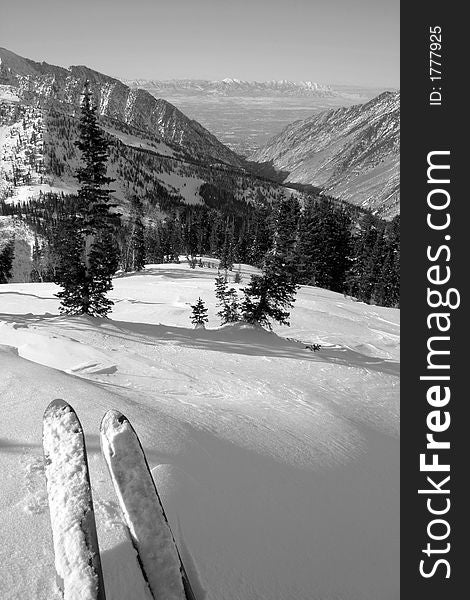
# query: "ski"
[143,510]
[77,557]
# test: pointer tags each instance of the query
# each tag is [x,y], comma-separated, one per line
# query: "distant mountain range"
[351,153]
[231,87]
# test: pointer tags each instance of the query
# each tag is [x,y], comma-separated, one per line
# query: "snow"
[68,493]
[24,193]
[278,467]
[140,506]
[157,146]
[20,142]
[8,93]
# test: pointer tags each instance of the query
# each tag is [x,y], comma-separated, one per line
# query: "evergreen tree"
[71,271]
[270,296]
[374,265]
[172,238]
[86,276]
[137,239]
[260,234]
[199,314]
[387,288]
[153,245]
[227,254]
[286,233]
[7,254]
[227,300]
[324,247]
[37,271]
[214,234]
[220,287]
[230,312]
[238,275]
[358,278]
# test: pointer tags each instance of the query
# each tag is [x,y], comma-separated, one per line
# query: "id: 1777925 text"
[435,65]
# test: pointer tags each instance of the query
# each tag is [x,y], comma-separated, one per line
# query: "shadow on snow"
[229,339]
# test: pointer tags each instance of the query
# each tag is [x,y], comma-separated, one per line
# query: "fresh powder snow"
[278,467]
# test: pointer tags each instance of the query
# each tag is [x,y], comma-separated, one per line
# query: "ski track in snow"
[278,466]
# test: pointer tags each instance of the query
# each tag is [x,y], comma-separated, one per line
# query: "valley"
[245,119]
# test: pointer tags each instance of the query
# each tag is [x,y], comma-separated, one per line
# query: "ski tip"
[58,405]
[112,419]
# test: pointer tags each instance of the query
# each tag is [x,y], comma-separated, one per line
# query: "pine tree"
[230,312]
[387,288]
[220,288]
[227,254]
[153,244]
[172,241]
[227,300]
[358,278]
[259,233]
[137,240]
[270,296]
[7,254]
[71,271]
[238,275]
[286,233]
[199,314]
[324,247]
[37,260]
[214,234]
[89,256]
[374,265]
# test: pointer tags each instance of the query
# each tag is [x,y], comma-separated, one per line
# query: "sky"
[353,42]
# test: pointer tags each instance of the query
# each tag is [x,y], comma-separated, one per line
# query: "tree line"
[333,247]
[297,239]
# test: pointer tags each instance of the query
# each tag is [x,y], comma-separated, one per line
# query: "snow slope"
[277,466]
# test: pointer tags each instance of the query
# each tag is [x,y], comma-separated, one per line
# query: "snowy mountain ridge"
[50,85]
[232,87]
[352,153]
[156,152]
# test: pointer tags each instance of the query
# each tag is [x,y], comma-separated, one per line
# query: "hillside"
[156,152]
[37,154]
[352,153]
[50,85]
[279,467]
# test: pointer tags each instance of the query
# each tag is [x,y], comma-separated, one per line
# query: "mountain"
[231,87]
[352,153]
[156,152]
[51,85]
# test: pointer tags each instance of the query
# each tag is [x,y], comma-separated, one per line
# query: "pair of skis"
[77,556]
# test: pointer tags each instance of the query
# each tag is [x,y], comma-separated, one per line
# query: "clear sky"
[328,41]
